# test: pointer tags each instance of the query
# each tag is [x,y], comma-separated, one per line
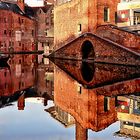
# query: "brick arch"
[87,50]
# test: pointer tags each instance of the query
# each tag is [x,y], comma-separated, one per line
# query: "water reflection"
[96,104]
[84,96]
[90,110]
[129,116]
[93,75]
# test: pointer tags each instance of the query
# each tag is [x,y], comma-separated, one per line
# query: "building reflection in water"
[90,110]
[18,76]
[129,116]
[94,105]
[26,78]
[89,95]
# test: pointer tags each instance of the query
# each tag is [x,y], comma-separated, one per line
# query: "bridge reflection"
[85,94]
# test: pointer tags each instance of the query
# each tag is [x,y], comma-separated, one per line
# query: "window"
[62,1]
[79,27]
[47,21]
[116,18]
[106,14]
[32,32]
[9,32]
[10,43]
[19,61]
[106,104]
[46,32]
[19,21]
[5,32]
[22,70]
[52,19]
[5,74]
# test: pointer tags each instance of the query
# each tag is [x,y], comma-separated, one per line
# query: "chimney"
[21,4]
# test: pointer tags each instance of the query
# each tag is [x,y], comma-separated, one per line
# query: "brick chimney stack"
[21,4]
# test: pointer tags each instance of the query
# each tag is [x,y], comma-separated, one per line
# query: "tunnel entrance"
[87,50]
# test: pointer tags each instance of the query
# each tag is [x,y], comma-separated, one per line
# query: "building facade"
[128,13]
[74,17]
[44,27]
[17,27]
[18,76]
[129,117]
[90,110]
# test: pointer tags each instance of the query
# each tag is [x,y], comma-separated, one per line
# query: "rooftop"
[12,6]
[44,8]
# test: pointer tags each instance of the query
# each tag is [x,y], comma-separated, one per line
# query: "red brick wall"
[104,51]
[18,77]
[87,108]
[88,13]
[112,5]
[12,25]
[124,38]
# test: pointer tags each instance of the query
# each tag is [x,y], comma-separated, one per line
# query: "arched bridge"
[109,45]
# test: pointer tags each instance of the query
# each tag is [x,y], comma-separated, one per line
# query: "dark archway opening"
[87,71]
[87,50]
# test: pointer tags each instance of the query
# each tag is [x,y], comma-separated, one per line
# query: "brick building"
[73,17]
[90,110]
[44,26]
[15,79]
[17,26]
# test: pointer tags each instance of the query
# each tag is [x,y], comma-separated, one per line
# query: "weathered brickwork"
[85,105]
[102,50]
[127,39]
[110,44]
[20,75]
[12,22]
[44,26]
[87,15]
[98,74]
[121,88]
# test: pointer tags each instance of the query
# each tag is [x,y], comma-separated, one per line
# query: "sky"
[34,2]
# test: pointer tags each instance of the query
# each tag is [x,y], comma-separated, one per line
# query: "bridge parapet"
[125,38]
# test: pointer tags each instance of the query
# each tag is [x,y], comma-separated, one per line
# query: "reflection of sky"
[31,124]
[107,134]
[35,124]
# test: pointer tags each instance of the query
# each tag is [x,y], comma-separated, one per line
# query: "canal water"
[68,100]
